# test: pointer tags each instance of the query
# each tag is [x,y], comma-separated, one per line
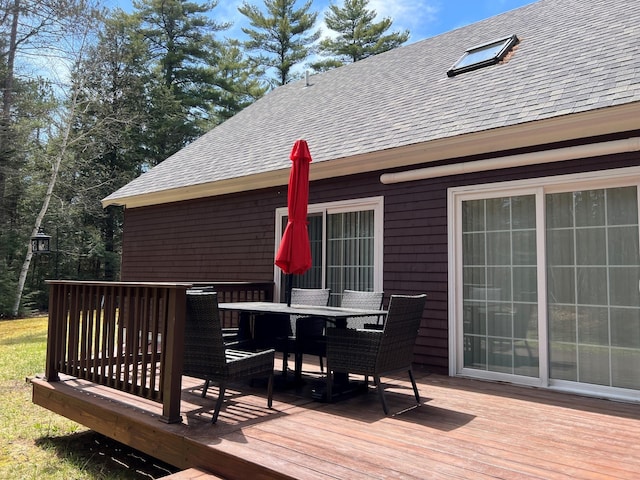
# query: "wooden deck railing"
[128,335]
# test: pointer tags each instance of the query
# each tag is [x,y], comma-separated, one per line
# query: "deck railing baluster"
[142,342]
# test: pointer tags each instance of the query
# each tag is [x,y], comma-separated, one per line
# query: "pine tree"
[283,36]
[238,81]
[180,36]
[358,37]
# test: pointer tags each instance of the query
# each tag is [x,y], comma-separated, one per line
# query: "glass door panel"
[499,255]
[593,274]
[350,252]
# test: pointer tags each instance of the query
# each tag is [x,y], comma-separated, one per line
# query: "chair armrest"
[249,363]
[239,344]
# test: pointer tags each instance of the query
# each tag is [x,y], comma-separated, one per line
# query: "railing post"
[174,358]
[56,316]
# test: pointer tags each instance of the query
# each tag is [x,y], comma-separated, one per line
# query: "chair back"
[362,300]
[400,331]
[204,350]
[318,297]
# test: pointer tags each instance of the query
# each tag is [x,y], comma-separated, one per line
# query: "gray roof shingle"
[572,57]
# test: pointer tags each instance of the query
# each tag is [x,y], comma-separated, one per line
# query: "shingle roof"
[572,57]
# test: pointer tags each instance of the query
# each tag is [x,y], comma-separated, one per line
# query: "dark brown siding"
[231,238]
[227,238]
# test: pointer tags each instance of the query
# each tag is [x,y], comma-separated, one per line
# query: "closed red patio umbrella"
[294,253]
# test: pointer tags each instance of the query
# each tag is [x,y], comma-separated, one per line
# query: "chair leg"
[270,391]
[376,379]
[298,366]
[285,363]
[415,387]
[216,411]
[205,388]
[321,363]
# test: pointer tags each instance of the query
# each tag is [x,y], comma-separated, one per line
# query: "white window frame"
[540,186]
[345,206]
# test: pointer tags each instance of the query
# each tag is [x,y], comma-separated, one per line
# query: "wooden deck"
[463,429]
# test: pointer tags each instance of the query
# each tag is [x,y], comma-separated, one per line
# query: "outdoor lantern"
[40,243]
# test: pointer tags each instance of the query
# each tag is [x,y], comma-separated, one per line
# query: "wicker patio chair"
[310,331]
[378,352]
[304,327]
[229,334]
[278,331]
[309,339]
[206,356]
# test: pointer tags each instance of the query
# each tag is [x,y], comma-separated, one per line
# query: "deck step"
[192,474]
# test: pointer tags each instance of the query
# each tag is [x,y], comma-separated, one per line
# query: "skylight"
[483,55]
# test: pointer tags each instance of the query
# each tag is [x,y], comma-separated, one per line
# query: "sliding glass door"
[546,285]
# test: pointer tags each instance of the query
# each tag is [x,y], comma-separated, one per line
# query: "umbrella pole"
[289,288]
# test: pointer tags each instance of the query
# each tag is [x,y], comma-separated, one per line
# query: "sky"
[423,18]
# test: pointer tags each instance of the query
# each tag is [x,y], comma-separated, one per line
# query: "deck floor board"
[463,429]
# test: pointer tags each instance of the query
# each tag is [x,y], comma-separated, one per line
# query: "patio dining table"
[336,315]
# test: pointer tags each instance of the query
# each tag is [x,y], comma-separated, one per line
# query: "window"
[544,280]
[483,55]
[346,247]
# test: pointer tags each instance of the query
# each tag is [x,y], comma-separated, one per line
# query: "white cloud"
[227,11]
[409,15]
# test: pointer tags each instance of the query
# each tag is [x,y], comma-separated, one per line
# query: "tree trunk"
[5,119]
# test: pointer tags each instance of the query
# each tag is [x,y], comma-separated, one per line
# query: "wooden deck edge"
[191,474]
[140,431]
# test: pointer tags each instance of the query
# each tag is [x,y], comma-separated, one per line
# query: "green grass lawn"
[38,444]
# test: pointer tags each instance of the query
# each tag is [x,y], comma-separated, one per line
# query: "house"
[505,186]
